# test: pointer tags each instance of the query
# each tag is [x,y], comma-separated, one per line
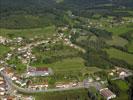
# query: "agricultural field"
[117,41]
[123,87]
[29,33]
[81,94]
[130,47]
[121,29]
[115,53]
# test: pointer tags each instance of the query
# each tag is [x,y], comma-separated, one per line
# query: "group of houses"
[2,86]
[120,72]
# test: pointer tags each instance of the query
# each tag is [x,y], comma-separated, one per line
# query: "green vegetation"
[130,47]
[70,64]
[17,65]
[115,53]
[29,33]
[80,94]
[117,41]
[3,50]
[118,30]
[121,87]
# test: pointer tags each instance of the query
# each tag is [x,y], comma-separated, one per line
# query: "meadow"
[115,53]
[29,33]
[117,41]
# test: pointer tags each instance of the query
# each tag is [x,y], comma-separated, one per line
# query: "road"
[26,90]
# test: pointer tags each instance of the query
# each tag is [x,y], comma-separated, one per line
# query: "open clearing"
[115,53]
[118,30]
[130,46]
[28,33]
[117,41]
[70,65]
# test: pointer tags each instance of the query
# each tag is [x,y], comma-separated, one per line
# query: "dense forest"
[39,13]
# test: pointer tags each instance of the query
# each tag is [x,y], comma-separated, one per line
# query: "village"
[9,77]
[27,80]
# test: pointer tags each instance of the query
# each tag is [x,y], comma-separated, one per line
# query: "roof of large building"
[38,69]
[106,93]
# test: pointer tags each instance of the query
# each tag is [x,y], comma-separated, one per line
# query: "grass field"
[117,41]
[123,86]
[74,64]
[118,30]
[70,65]
[29,33]
[3,50]
[80,94]
[130,46]
[115,53]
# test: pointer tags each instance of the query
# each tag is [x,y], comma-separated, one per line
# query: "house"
[9,72]
[9,98]
[107,94]
[39,86]
[38,71]
[122,74]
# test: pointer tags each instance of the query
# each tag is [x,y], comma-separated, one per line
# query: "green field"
[130,46]
[3,50]
[79,94]
[69,65]
[115,53]
[29,33]
[118,30]
[117,41]
[123,86]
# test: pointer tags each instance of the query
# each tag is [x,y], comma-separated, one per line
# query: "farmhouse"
[106,93]
[39,71]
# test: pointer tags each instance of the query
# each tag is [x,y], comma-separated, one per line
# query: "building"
[2,86]
[106,93]
[39,71]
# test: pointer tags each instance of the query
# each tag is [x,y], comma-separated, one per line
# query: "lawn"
[115,53]
[117,41]
[3,50]
[29,33]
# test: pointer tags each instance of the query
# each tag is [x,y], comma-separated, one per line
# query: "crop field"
[115,53]
[66,65]
[117,41]
[70,65]
[81,94]
[130,46]
[29,33]
[118,30]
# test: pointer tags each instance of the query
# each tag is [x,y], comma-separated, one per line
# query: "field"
[123,86]
[115,53]
[69,65]
[117,41]
[118,30]
[29,33]
[130,46]
[3,50]
[80,94]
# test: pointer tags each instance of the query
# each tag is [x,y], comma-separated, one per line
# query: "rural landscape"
[66,49]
